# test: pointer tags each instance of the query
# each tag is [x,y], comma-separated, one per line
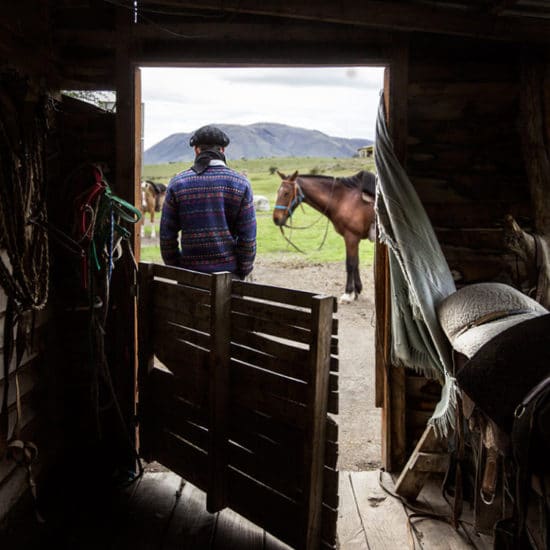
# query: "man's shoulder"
[183,175]
[231,174]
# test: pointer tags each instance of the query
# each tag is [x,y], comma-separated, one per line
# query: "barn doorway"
[268,112]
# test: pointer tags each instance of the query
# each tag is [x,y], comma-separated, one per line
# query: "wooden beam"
[178,30]
[217,52]
[393,16]
[394,442]
[429,456]
[124,282]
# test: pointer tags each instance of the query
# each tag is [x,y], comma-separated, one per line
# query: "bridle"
[295,201]
[297,198]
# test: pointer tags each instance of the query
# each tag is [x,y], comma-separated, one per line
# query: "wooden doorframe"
[127,186]
[390,380]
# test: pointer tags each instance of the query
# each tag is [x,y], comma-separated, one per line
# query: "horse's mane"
[364,179]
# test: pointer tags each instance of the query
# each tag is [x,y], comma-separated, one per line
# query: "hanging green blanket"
[419,275]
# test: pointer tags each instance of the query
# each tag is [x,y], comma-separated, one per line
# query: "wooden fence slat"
[287,450]
[172,331]
[178,407]
[331,430]
[299,298]
[193,389]
[329,520]
[316,421]
[259,358]
[170,419]
[184,276]
[247,378]
[252,421]
[218,390]
[275,471]
[179,296]
[290,352]
[287,412]
[183,458]
[330,487]
[278,329]
[181,358]
[199,321]
[181,304]
[262,310]
[273,511]
[331,454]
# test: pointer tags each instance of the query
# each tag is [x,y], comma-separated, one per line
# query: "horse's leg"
[357,277]
[153,232]
[352,263]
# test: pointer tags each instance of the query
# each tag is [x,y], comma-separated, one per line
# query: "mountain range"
[262,139]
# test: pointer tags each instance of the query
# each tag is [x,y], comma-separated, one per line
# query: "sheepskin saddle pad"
[475,314]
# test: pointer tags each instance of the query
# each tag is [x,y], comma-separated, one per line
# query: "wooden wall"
[13,478]
[19,103]
[55,376]
[465,160]
[464,151]
[84,136]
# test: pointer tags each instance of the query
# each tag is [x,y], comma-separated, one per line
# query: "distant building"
[366,151]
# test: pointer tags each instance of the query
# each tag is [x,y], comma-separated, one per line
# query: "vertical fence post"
[145,357]
[220,333]
[316,420]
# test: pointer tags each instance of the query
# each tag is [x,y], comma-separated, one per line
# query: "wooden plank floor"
[372,518]
[160,511]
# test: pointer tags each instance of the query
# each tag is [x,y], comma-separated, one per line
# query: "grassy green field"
[265,181]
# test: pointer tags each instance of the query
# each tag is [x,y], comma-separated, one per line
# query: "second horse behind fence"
[152,199]
[347,202]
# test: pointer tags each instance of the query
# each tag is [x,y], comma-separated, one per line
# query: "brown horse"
[152,199]
[347,202]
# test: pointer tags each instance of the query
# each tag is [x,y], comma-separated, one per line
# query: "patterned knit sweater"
[214,214]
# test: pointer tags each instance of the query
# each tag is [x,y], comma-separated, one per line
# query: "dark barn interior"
[467,94]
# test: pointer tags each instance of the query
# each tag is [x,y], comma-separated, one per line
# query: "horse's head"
[289,196]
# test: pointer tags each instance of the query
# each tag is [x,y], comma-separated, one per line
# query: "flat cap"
[209,135]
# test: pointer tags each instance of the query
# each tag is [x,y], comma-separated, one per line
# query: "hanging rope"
[24,261]
[24,273]
[101,234]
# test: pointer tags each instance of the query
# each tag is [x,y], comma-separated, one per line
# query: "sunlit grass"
[318,240]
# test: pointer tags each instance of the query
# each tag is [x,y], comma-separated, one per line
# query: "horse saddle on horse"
[365,181]
[368,183]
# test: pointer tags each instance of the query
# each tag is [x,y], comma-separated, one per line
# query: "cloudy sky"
[340,102]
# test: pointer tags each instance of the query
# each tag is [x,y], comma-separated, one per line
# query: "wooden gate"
[235,383]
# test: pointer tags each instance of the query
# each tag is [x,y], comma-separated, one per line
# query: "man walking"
[211,206]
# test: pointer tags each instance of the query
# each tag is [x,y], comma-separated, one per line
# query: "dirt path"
[359,420]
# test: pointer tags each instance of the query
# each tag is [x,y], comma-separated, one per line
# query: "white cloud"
[339,101]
